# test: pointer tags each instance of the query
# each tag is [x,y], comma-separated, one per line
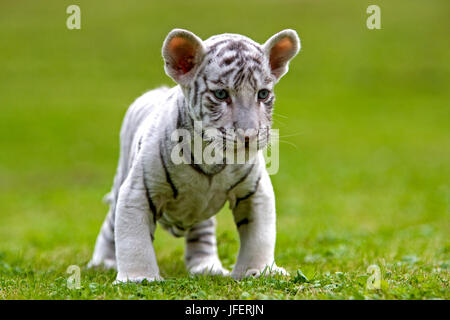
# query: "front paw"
[254,272]
[122,279]
[211,267]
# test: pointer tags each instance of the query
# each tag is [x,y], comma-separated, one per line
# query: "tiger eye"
[221,94]
[263,94]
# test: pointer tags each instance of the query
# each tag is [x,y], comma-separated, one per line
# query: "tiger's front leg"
[201,250]
[254,216]
[134,229]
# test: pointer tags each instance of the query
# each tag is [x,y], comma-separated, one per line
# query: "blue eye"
[263,94]
[221,94]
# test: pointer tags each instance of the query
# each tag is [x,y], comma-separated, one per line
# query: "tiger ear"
[280,49]
[183,52]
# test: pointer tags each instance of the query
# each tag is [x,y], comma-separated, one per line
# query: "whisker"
[280,115]
[292,135]
[278,122]
[289,143]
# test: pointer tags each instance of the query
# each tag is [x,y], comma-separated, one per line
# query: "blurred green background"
[364,120]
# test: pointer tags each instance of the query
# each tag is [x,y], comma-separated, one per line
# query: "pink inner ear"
[182,52]
[281,52]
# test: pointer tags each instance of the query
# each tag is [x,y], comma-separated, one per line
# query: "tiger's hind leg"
[105,251]
[201,250]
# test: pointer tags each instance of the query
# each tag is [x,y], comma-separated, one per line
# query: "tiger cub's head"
[228,79]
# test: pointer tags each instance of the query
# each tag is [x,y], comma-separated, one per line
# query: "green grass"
[364,157]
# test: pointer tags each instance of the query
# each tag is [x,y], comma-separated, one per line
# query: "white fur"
[125,241]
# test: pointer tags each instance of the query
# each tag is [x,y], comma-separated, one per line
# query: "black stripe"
[195,166]
[140,143]
[195,92]
[200,240]
[180,227]
[211,101]
[205,81]
[213,48]
[201,225]
[256,68]
[182,123]
[269,103]
[255,59]
[204,231]
[228,61]
[238,74]
[249,194]
[238,77]
[239,81]
[218,82]
[237,46]
[242,178]
[202,94]
[151,204]
[199,169]
[179,121]
[226,73]
[171,95]
[242,222]
[241,61]
[168,178]
[252,80]
[211,108]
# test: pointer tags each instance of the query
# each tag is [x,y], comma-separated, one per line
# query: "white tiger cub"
[226,82]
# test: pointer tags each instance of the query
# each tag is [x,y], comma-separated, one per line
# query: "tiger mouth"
[230,137]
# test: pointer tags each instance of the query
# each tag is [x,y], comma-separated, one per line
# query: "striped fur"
[149,188]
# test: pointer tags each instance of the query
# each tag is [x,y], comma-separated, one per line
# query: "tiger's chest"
[195,197]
